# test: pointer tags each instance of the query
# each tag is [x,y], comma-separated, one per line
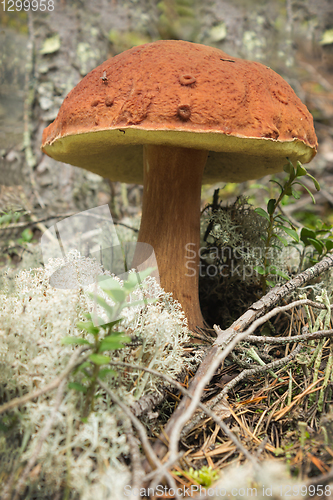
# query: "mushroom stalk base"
[171,221]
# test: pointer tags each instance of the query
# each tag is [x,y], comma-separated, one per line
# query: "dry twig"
[228,339]
[150,454]
[204,408]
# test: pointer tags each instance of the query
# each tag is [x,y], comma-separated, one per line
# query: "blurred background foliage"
[43,55]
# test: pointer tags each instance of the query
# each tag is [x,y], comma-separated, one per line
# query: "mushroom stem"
[171,221]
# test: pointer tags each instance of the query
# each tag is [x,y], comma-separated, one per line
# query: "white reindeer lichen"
[80,456]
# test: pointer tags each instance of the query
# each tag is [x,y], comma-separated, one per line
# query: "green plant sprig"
[319,238]
[104,338]
[278,223]
[205,476]
[7,218]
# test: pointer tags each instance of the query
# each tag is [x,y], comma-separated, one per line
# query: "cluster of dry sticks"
[233,411]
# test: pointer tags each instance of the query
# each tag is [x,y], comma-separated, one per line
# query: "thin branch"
[204,408]
[287,340]
[147,402]
[258,370]
[150,454]
[260,321]
[16,225]
[214,356]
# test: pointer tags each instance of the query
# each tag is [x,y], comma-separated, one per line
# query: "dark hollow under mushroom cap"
[178,93]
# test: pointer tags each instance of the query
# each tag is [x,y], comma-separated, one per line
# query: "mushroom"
[173,115]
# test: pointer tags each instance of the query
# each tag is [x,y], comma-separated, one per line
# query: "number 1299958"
[320,490]
[26,5]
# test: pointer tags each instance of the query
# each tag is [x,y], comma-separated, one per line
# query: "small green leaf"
[276,182]
[5,219]
[288,167]
[288,191]
[262,213]
[132,282]
[115,335]
[292,175]
[88,326]
[109,309]
[27,235]
[277,247]
[109,326]
[283,218]
[291,232]
[77,387]
[144,274]
[117,295]
[259,269]
[139,302]
[74,341]
[306,235]
[315,182]
[108,283]
[135,279]
[271,205]
[318,245]
[295,193]
[329,245]
[270,283]
[82,366]
[308,190]
[271,270]
[282,274]
[99,359]
[106,371]
[98,320]
[300,171]
[282,239]
[112,342]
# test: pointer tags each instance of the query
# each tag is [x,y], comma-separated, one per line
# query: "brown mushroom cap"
[177,93]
